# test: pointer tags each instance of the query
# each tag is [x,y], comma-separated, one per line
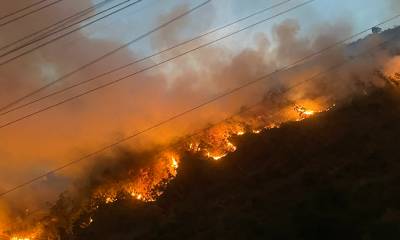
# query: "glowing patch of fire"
[110,200]
[174,163]
[240,133]
[34,234]
[144,184]
[303,112]
[216,157]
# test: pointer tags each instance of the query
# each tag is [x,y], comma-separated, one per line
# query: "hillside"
[333,176]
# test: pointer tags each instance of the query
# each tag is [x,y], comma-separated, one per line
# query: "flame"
[240,133]
[391,71]
[110,199]
[303,112]
[315,107]
[194,147]
[216,157]
[272,126]
[257,131]
[220,149]
[174,164]
[138,196]
[147,184]
[231,147]
[141,186]
[28,235]
[86,223]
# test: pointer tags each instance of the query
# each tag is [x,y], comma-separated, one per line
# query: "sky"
[48,140]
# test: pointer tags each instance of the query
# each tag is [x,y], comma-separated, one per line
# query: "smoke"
[395,5]
[392,66]
[172,34]
[68,132]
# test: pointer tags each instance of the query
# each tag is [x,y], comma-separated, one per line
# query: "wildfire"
[257,131]
[215,143]
[110,199]
[391,71]
[194,147]
[147,183]
[240,133]
[87,223]
[303,112]
[231,147]
[32,235]
[216,157]
[174,164]
[143,185]
[272,126]
[138,196]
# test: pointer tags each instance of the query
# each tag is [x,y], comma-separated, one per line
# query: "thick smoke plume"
[107,115]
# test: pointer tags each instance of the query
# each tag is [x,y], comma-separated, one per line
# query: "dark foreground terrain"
[335,176]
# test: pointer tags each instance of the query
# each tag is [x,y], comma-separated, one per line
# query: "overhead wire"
[177,56]
[54,26]
[148,68]
[98,59]
[22,9]
[29,13]
[169,119]
[66,33]
[143,58]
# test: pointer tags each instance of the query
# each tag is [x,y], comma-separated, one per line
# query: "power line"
[106,55]
[21,10]
[29,13]
[55,25]
[175,57]
[65,34]
[80,14]
[195,133]
[148,68]
[55,31]
[230,92]
[142,59]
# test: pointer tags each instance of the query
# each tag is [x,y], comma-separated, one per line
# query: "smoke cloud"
[102,117]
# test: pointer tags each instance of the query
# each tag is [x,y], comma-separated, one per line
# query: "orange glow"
[110,199]
[303,112]
[272,126]
[215,143]
[28,235]
[216,157]
[240,133]
[147,183]
[391,71]
[257,131]
[142,185]
[174,165]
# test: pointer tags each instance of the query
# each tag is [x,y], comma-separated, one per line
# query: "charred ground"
[333,176]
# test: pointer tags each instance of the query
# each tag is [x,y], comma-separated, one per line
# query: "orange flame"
[215,144]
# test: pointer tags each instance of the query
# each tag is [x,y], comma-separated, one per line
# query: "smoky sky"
[50,139]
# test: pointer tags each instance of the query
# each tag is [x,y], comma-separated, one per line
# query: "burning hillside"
[148,179]
[327,179]
[289,182]
[146,182]
[145,176]
[283,139]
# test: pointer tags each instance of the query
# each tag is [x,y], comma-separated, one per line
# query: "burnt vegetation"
[333,176]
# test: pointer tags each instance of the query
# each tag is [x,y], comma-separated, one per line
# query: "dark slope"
[335,176]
